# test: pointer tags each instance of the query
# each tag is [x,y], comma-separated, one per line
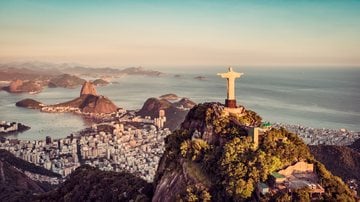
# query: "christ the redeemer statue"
[230,76]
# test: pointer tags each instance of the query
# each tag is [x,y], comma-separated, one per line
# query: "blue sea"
[319,98]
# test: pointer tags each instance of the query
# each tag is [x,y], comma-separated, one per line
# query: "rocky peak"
[175,111]
[88,88]
[185,102]
[152,106]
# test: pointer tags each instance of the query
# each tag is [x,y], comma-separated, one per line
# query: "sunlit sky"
[150,33]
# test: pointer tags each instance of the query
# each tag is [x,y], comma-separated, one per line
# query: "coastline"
[321,136]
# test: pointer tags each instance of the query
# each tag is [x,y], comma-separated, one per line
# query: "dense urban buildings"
[134,145]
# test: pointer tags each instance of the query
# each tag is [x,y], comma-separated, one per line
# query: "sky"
[182,33]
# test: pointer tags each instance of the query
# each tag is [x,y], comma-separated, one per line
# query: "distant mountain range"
[43,70]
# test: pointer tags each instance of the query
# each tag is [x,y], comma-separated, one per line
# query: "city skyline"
[174,33]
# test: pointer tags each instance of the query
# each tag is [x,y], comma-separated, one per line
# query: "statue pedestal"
[238,111]
[230,103]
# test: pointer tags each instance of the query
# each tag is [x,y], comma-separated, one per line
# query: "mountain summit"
[88,88]
[222,156]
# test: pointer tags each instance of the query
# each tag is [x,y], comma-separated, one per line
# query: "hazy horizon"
[170,68]
[182,33]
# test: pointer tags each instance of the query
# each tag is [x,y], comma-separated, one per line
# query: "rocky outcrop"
[66,81]
[98,104]
[91,104]
[88,88]
[29,103]
[175,112]
[152,106]
[19,86]
[31,87]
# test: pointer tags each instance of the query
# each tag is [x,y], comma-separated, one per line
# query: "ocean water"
[321,98]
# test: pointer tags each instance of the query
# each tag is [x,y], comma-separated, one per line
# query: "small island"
[200,78]
[24,86]
[12,127]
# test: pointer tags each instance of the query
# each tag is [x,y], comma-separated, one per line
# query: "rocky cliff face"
[91,104]
[97,104]
[88,88]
